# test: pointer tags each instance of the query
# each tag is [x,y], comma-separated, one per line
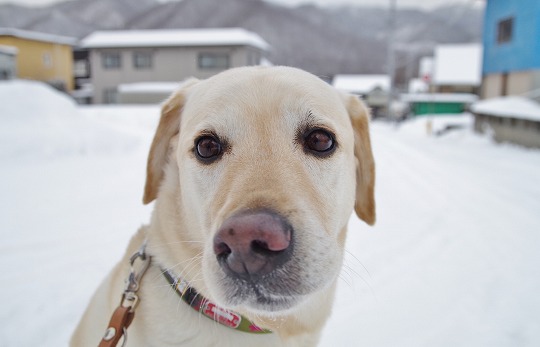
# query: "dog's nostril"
[261,247]
[221,249]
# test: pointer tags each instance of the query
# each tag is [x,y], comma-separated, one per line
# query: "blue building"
[511,48]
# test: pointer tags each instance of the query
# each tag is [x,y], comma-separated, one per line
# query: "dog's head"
[256,172]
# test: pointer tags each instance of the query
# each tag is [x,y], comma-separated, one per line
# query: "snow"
[458,64]
[418,85]
[47,124]
[174,38]
[38,36]
[360,84]
[510,106]
[452,261]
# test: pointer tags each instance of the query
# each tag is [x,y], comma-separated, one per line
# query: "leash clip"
[124,314]
[129,298]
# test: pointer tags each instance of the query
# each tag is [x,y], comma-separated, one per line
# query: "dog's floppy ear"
[168,127]
[365,164]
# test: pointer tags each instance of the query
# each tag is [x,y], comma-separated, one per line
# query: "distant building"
[42,57]
[372,88]
[8,62]
[126,57]
[514,119]
[457,68]
[438,103]
[511,48]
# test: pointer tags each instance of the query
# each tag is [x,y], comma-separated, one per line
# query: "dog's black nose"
[252,244]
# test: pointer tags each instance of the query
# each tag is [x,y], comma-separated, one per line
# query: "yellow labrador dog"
[254,173]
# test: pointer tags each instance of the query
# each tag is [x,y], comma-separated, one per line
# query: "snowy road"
[453,259]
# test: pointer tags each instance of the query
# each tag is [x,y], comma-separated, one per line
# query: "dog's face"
[263,169]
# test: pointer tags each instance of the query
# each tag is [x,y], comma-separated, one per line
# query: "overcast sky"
[427,4]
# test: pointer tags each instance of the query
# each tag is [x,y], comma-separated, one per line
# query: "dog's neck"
[206,307]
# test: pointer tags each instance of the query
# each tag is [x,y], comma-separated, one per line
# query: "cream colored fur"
[260,111]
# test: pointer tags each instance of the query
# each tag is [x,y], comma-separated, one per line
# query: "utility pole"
[390,64]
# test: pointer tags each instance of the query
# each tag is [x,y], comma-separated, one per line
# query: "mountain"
[325,41]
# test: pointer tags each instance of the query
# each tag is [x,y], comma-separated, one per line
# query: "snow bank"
[39,121]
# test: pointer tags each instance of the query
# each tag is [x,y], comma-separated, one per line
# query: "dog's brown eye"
[208,147]
[319,141]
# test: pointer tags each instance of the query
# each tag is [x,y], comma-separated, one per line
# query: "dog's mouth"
[264,295]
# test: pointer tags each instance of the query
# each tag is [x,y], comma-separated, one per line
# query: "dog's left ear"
[365,164]
[168,127]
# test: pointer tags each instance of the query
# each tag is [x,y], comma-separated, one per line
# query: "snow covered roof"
[439,97]
[361,83]
[458,64]
[510,106]
[174,38]
[37,36]
[149,87]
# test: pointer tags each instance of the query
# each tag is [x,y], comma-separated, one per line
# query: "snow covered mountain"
[325,41]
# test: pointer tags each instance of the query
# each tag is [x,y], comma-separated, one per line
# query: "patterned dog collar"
[202,305]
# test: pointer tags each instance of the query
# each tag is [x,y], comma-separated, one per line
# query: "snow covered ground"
[454,259]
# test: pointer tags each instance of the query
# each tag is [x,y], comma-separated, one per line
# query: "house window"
[253,58]
[47,60]
[142,60]
[505,30]
[110,96]
[213,61]
[111,60]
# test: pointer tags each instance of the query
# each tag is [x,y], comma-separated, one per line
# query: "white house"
[457,68]
[158,56]
[372,88]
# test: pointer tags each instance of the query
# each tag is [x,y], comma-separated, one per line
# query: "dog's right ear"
[168,127]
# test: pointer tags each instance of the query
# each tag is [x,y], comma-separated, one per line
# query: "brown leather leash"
[124,314]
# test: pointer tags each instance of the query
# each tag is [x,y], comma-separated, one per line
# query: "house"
[513,119]
[42,57]
[457,68]
[372,88]
[83,89]
[158,56]
[8,62]
[511,48]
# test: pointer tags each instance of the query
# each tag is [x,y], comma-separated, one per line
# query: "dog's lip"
[266,303]
[262,302]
